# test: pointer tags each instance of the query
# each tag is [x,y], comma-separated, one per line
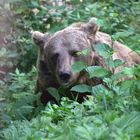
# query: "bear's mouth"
[65,83]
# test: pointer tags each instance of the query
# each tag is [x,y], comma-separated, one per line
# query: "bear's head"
[59,51]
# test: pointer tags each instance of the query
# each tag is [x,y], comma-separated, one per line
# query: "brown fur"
[57,54]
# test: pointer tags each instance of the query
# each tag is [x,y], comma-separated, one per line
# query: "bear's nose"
[65,76]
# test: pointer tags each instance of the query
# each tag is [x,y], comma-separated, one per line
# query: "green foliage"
[113,93]
[104,50]
[78,66]
[113,109]
[82,88]
[54,92]
[17,97]
[76,121]
[97,71]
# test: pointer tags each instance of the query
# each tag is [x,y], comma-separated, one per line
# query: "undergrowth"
[111,112]
[71,120]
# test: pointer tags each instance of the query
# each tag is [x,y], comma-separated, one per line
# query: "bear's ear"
[90,27]
[39,38]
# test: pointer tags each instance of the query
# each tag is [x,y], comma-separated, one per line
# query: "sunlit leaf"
[97,71]
[103,50]
[78,66]
[84,52]
[54,93]
[82,88]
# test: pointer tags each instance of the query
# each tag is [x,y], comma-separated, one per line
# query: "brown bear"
[58,52]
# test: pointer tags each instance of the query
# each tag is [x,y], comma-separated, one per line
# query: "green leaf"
[84,52]
[109,62]
[54,93]
[129,71]
[127,86]
[99,89]
[124,33]
[17,71]
[34,3]
[82,88]
[102,22]
[103,50]
[117,76]
[97,71]
[118,62]
[78,66]
[113,63]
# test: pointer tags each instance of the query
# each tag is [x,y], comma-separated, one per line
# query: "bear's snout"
[65,76]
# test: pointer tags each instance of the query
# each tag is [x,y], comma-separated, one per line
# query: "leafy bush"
[113,110]
[17,97]
[71,120]
[113,91]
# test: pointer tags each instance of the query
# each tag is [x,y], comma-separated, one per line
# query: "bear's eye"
[74,53]
[55,57]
